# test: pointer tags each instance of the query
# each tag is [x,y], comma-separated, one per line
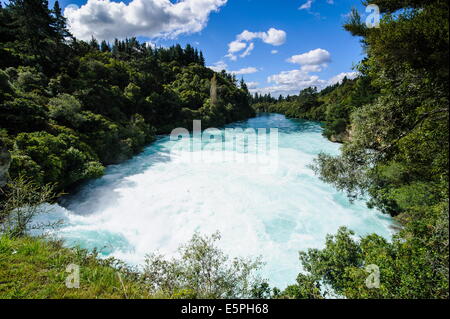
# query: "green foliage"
[22,114]
[65,110]
[306,105]
[35,268]
[24,202]
[413,266]
[203,272]
[62,159]
[305,288]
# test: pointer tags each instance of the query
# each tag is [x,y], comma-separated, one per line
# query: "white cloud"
[292,82]
[313,57]
[106,20]
[338,78]
[221,65]
[296,79]
[272,36]
[307,5]
[236,46]
[218,66]
[249,70]
[252,85]
[248,51]
[313,68]
[274,51]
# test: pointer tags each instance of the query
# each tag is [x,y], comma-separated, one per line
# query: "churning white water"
[155,202]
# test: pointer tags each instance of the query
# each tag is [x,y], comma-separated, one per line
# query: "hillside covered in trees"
[68,107]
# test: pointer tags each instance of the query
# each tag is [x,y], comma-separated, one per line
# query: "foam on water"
[155,202]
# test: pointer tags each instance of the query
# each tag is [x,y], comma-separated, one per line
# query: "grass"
[35,268]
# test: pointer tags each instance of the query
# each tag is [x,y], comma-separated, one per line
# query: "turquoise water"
[157,200]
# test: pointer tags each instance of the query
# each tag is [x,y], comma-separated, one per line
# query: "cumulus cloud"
[106,20]
[289,82]
[236,46]
[272,36]
[274,51]
[295,80]
[313,57]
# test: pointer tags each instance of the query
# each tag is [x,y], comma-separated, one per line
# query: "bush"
[24,202]
[202,271]
[65,109]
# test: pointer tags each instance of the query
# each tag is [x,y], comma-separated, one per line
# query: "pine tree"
[36,35]
[243,86]
[202,59]
[104,47]
[60,23]
[94,44]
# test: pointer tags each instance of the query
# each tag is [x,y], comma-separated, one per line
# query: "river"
[156,201]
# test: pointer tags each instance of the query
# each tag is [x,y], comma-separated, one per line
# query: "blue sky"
[299,29]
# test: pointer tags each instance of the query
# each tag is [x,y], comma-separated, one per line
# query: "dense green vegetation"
[36,268]
[67,107]
[395,123]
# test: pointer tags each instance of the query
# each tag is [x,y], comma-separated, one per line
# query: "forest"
[68,108]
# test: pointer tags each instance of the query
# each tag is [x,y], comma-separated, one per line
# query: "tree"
[35,25]
[60,23]
[203,272]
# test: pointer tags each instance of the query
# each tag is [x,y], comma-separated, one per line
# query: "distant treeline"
[332,105]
